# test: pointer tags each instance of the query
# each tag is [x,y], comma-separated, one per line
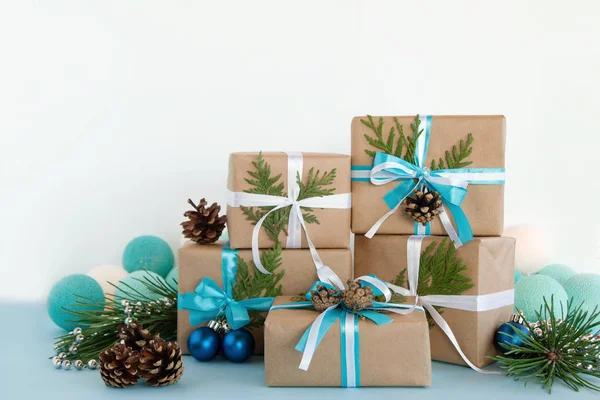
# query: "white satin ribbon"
[474,303]
[296,222]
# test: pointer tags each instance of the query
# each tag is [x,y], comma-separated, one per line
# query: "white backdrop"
[113,113]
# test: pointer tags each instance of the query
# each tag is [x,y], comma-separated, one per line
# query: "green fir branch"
[264,183]
[456,158]
[250,285]
[555,348]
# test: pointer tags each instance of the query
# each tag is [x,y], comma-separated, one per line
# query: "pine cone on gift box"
[423,207]
[134,336]
[205,226]
[160,362]
[357,298]
[323,298]
[119,366]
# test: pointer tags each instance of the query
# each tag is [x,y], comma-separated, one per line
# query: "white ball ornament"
[532,247]
[103,274]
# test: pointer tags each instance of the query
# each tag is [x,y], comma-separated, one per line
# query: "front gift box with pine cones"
[318,183]
[415,168]
[354,351]
[475,283]
[292,272]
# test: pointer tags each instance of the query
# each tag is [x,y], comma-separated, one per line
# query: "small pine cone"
[204,225]
[119,366]
[423,207]
[357,298]
[323,298]
[161,363]
[134,336]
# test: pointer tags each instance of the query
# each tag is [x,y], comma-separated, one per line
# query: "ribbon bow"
[296,222]
[209,302]
[452,189]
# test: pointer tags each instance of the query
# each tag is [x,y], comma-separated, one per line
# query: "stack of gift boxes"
[427,199]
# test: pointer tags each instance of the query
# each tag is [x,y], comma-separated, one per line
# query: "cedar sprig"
[99,320]
[456,159]
[405,145]
[396,297]
[249,285]
[560,349]
[264,183]
[440,273]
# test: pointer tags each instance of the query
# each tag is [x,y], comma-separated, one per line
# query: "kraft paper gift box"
[483,205]
[489,266]
[394,354]
[206,261]
[327,227]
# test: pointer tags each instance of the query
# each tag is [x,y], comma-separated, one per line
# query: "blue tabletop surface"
[27,337]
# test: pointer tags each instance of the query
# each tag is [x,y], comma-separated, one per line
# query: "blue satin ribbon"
[209,301]
[340,313]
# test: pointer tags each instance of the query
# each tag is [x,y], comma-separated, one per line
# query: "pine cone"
[323,298]
[205,226]
[160,362]
[119,366]
[423,207]
[356,297]
[134,336]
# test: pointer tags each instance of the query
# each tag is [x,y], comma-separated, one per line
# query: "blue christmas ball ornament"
[562,273]
[136,283]
[149,253]
[204,344]
[531,291]
[502,335]
[173,278]
[63,295]
[238,345]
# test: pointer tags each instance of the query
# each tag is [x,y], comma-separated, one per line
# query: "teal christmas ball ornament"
[149,253]
[530,292]
[136,281]
[518,276]
[238,345]
[173,277]
[560,272]
[204,343]
[63,295]
[584,290]
[507,336]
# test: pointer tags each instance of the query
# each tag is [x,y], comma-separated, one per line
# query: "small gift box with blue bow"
[218,283]
[428,175]
[347,337]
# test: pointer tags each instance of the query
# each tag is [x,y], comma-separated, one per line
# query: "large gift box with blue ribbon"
[301,200]
[460,157]
[466,292]
[347,349]
[218,282]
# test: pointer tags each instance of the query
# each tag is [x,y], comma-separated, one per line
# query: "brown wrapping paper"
[491,269]
[395,354]
[197,262]
[333,230]
[483,205]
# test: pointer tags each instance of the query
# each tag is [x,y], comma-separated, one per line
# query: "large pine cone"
[205,226]
[423,207]
[160,362]
[323,298]
[134,336]
[356,297]
[119,366]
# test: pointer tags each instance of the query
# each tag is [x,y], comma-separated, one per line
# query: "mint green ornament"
[584,289]
[530,292]
[560,272]
[518,276]
[135,281]
[173,277]
[149,253]
[63,295]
